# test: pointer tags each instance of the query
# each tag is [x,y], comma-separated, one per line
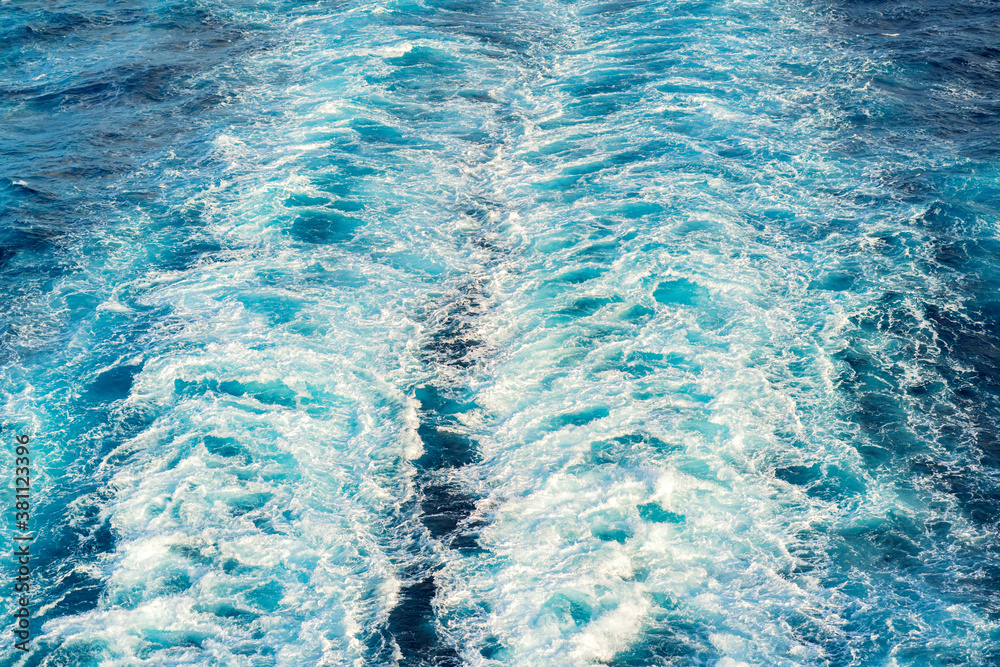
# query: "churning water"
[455,332]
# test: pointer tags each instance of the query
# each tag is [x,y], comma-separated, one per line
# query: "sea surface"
[541,334]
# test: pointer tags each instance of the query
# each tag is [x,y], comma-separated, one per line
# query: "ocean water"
[454,332]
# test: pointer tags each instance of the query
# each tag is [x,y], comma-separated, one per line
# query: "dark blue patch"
[323,227]
[113,384]
[411,623]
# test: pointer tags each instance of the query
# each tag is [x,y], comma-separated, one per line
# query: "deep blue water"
[467,333]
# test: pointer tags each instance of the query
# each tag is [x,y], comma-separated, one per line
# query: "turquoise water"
[467,333]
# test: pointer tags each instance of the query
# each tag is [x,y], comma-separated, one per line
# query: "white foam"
[270,503]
